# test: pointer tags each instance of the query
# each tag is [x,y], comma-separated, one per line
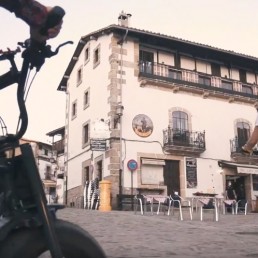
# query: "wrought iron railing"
[237,143]
[179,137]
[202,80]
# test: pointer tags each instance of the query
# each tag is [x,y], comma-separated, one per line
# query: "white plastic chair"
[177,202]
[241,205]
[142,202]
[208,204]
[229,204]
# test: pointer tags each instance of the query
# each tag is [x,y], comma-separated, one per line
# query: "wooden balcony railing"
[58,146]
[152,70]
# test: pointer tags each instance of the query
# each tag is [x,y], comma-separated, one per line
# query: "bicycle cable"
[26,92]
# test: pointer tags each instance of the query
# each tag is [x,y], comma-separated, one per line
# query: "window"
[86,174]
[215,70]
[87,55]
[79,76]
[247,89]
[96,56]
[242,76]
[181,135]
[243,133]
[45,152]
[86,99]
[74,109]
[180,120]
[85,135]
[178,132]
[48,173]
[146,61]
[227,85]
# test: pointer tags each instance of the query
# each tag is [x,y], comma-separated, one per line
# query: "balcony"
[182,142]
[58,146]
[235,149]
[200,83]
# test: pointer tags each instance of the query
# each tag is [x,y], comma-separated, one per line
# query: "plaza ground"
[122,234]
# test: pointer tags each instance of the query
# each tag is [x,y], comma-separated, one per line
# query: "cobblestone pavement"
[122,234]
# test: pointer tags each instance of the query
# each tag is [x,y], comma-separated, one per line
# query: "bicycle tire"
[30,243]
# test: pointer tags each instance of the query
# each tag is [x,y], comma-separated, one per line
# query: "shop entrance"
[238,184]
[171,176]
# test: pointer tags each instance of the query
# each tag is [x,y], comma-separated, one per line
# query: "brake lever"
[8,53]
[51,53]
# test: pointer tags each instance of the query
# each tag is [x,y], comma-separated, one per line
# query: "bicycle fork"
[40,199]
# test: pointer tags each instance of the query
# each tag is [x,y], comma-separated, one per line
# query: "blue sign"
[132,164]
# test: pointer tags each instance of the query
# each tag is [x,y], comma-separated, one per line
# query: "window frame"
[215,70]
[84,137]
[74,109]
[243,132]
[79,75]
[86,104]
[180,120]
[87,54]
[96,58]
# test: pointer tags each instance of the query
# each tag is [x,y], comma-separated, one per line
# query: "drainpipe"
[121,161]
[67,140]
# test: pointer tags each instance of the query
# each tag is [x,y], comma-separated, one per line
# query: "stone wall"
[74,197]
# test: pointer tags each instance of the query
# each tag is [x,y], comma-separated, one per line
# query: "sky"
[226,24]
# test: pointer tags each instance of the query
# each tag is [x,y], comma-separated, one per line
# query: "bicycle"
[29,226]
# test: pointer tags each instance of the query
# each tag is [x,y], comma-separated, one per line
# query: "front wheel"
[30,243]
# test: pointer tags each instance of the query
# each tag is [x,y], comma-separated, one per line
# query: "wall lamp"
[118,114]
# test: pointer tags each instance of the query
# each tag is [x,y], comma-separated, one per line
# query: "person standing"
[230,192]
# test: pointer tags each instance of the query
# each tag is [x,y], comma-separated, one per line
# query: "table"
[154,197]
[204,199]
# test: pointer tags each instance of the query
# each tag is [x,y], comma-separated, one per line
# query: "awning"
[241,168]
[158,162]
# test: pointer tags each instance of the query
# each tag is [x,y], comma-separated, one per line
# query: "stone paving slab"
[122,234]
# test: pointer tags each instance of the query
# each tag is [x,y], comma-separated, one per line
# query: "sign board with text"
[98,144]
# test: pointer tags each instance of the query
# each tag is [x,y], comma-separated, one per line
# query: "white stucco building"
[47,166]
[180,109]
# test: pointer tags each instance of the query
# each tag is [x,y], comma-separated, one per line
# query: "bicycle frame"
[24,203]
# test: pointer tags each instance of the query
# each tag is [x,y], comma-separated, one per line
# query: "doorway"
[171,176]
[238,183]
[99,169]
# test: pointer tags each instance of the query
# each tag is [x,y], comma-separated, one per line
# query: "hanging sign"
[98,144]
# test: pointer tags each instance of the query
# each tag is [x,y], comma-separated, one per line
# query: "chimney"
[123,19]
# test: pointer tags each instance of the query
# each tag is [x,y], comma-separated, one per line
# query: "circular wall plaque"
[142,125]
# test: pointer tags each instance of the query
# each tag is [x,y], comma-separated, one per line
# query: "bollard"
[105,190]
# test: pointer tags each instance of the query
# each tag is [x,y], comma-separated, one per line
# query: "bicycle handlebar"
[34,56]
